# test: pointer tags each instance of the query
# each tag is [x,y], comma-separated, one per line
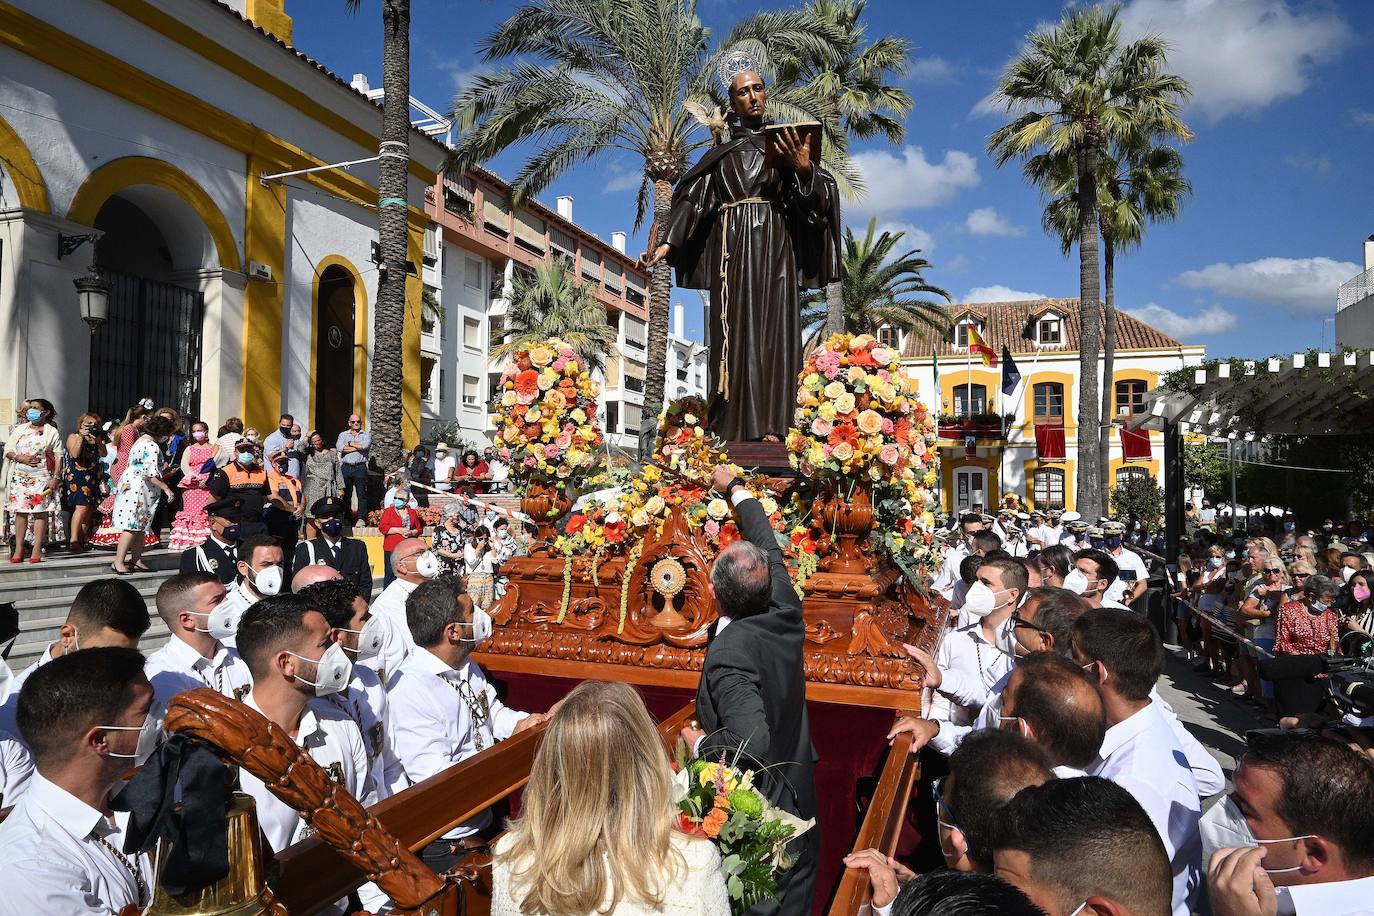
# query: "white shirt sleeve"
[966,688]
[503,718]
[421,741]
[1206,771]
[17,766]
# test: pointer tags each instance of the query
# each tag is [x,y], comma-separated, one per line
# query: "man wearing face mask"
[1051,703]
[105,612]
[282,440]
[973,651]
[260,576]
[1132,577]
[414,564]
[1297,834]
[364,698]
[194,656]
[217,554]
[443,710]
[969,524]
[245,478]
[347,555]
[1093,573]
[88,719]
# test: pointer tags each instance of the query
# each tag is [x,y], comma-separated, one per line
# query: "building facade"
[1026,442]
[140,137]
[1355,306]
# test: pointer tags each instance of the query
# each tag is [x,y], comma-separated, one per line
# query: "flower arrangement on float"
[860,430]
[719,801]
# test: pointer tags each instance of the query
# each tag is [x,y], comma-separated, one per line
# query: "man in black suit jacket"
[752,691]
[347,555]
[217,555]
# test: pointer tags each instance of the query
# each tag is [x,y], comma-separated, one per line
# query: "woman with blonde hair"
[596,830]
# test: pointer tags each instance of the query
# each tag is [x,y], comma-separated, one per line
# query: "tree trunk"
[834,308]
[1104,451]
[386,388]
[660,292]
[1089,293]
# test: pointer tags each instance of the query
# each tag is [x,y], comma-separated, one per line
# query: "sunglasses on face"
[1018,621]
[1273,572]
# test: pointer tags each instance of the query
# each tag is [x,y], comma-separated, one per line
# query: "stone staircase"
[43,595]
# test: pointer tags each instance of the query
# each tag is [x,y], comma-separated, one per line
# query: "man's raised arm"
[753,524]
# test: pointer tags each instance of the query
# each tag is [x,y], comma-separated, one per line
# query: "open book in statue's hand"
[774,156]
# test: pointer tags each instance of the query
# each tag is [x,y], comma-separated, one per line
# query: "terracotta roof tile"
[1003,323]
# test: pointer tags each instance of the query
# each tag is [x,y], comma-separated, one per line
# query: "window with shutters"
[472,333]
[1049,488]
[1128,474]
[612,416]
[1049,403]
[970,399]
[890,337]
[1130,397]
[472,390]
[1050,331]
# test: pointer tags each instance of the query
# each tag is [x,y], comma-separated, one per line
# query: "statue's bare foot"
[771,438]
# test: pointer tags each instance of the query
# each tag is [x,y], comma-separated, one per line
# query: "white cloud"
[912,237]
[931,70]
[903,182]
[1305,283]
[1317,164]
[999,293]
[1362,117]
[957,265]
[987,221]
[1240,56]
[1210,321]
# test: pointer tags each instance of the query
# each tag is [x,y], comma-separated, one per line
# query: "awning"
[1306,394]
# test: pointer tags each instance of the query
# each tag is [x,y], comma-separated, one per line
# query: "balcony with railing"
[1354,290]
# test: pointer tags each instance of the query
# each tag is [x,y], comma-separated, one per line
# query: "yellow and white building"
[134,135]
[981,457]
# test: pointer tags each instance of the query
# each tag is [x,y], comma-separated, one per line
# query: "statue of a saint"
[755,235]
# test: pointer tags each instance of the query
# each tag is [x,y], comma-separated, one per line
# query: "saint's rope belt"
[723,386]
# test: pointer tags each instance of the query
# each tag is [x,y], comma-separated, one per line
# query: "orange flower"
[712,823]
[527,382]
[686,825]
[844,432]
[722,802]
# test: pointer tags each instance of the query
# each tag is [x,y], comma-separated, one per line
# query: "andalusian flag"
[976,344]
[935,365]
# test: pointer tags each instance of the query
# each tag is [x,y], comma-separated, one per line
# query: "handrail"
[314,875]
[882,824]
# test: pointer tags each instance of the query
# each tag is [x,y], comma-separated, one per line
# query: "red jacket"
[392,524]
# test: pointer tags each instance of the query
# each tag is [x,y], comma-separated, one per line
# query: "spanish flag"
[976,344]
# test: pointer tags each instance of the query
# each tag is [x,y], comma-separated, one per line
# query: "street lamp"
[93,296]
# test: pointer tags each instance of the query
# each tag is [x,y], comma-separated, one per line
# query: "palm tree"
[596,76]
[1074,91]
[1138,183]
[551,303]
[879,289]
[384,399]
[854,88]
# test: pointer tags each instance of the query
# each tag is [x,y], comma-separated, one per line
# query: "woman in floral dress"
[32,458]
[83,482]
[136,494]
[192,524]
[107,535]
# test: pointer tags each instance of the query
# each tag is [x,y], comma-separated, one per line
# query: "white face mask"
[266,582]
[980,601]
[222,622]
[1224,827]
[370,639]
[481,626]
[149,736]
[1215,562]
[1076,581]
[427,564]
[332,671]
[1347,572]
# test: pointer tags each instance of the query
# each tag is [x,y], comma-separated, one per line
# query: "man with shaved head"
[413,563]
[312,573]
[755,221]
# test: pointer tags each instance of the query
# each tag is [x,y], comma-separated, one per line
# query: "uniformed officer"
[217,554]
[347,555]
[1132,577]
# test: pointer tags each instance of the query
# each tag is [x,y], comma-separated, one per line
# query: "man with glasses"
[1300,824]
[353,445]
[1049,702]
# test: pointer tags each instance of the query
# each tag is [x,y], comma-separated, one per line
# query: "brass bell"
[243,892]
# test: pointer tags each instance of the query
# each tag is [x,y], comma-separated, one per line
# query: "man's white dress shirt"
[52,862]
[238,598]
[1333,898]
[949,571]
[967,654]
[1127,561]
[1142,756]
[397,642]
[9,711]
[441,716]
[177,667]
[16,769]
[364,701]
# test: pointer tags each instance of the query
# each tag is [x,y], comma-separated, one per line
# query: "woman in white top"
[596,830]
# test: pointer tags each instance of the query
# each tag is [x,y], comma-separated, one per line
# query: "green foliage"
[551,303]
[881,288]
[1140,497]
[1205,467]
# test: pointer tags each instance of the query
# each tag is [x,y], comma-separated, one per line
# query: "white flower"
[689,419]
[717,509]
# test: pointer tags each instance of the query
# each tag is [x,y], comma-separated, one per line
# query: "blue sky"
[1282,165]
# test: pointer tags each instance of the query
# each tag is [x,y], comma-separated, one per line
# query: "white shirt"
[364,701]
[177,667]
[397,643]
[9,711]
[240,599]
[1128,561]
[967,652]
[1332,898]
[51,862]
[1142,756]
[432,716]
[949,572]
[16,769]
[443,472]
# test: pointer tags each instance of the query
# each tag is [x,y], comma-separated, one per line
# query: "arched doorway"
[150,346]
[335,316]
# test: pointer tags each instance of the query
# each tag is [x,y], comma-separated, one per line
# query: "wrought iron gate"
[149,347]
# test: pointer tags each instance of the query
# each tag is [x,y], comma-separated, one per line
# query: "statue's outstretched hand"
[650,258]
[796,151]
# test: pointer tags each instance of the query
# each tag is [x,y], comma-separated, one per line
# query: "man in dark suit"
[331,548]
[752,692]
[217,555]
